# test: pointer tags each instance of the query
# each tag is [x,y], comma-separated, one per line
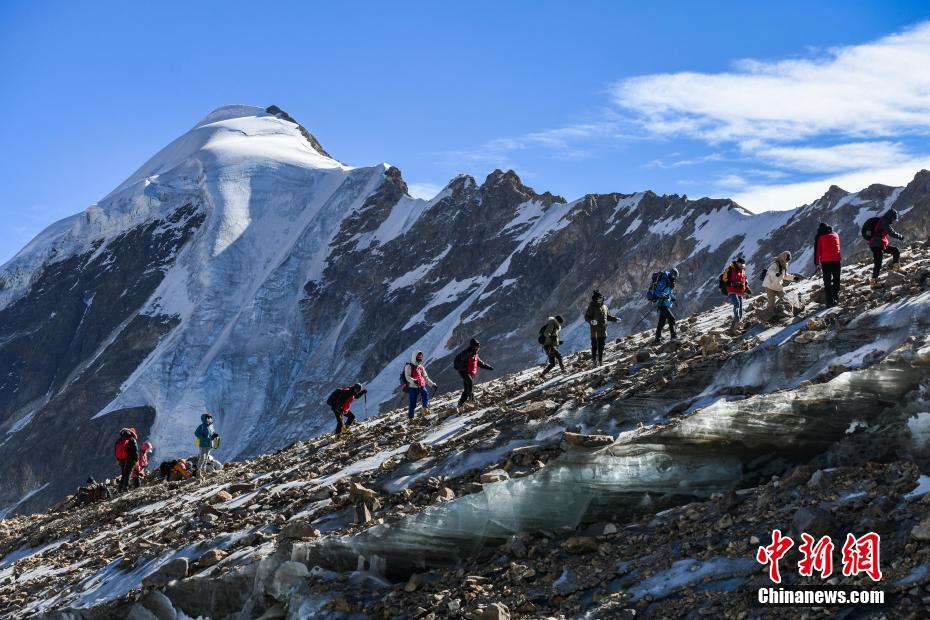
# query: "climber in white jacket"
[775,277]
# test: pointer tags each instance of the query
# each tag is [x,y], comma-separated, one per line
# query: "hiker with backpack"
[206,436]
[775,277]
[876,231]
[549,339]
[176,470]
[827,261]
[127,453]
[662,293]
[735,285]
[597,317]
[138,472]
[340,402]
[415,381]
[467,363]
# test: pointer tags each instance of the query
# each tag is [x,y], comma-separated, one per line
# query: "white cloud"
[849,156]
[871,90]
[778,197]
[426,191]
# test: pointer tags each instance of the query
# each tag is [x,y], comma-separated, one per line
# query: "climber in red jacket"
[827,261]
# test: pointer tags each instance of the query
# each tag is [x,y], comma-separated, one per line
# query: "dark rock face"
[65,349]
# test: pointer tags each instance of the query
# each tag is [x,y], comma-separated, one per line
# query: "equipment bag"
[869,228]
[651,292]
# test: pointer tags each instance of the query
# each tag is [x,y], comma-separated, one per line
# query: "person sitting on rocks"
[138,472]
[775,277]
[206,435]
[467,363]
[597,317]
[550,342]
[91,491]
[340,402]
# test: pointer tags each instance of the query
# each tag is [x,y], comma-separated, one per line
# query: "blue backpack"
[658,284]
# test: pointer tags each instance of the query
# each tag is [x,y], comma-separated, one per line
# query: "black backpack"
[460,363]
[542,334]
[651,291]
[868,229]
[165,468]
[722,281]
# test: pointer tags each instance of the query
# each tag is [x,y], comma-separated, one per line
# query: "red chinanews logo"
[859,555]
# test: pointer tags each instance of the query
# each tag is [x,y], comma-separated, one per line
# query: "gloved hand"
[561,342]
[214,435]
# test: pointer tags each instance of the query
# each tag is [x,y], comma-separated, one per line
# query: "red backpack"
[120,448]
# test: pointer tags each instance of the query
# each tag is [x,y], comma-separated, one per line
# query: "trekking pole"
[635,325]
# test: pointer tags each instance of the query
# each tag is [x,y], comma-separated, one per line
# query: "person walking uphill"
[735,285]
[597,317]
[340,401]
[467,363]
[664,293]
[205,435]
[775,277]
[876,231]
[416,381]
[549,339]
[827,261]
[127,454]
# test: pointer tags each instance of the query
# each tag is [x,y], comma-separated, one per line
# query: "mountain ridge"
[249,274]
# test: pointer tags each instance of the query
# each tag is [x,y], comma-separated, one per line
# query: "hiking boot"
[874,283]
[896,267]
[424,411]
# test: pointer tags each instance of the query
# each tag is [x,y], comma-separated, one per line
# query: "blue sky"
[765,102]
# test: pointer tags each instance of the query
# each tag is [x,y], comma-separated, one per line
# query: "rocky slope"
[640,487]
[244,271]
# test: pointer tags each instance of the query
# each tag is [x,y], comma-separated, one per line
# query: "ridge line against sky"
[765,105]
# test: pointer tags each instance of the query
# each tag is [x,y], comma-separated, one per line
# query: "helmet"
[740,260]
[892,214]
[132,431]
[673,272]
[559,318]
[474,344]
[357,388]
[596,295]
[147,447]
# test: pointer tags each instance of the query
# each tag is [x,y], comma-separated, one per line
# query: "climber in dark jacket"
[665,299]
[467,363]
[597,317]
[827,261]
[340,401]
[879,244]
[551,343]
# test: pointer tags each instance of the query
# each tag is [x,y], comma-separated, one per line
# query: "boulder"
[921,531]
[211,557]
[445,494]
[418,451]
[362,513]
[220,496]
[159,605]
[495,611]
[299,530]
[587,441]
[813,521]
[495,475]
[242,487]
[168,572]
[538,409]
[580,545]
[820,480]
[359,493]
